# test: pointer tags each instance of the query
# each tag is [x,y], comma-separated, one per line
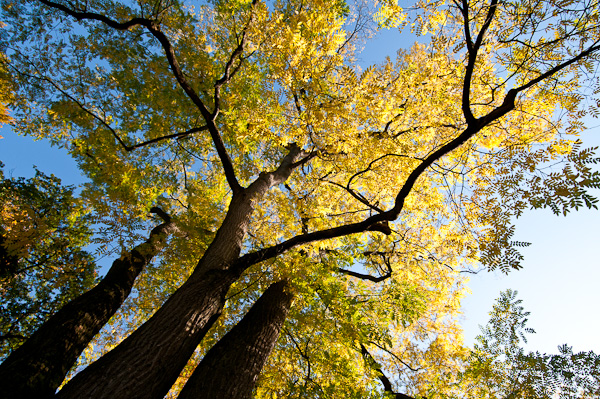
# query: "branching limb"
[387,384]
[154,28]
[305,159]
[296,157]
[473,50]
[179,135]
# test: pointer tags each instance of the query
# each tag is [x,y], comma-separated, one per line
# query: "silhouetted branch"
[387,384]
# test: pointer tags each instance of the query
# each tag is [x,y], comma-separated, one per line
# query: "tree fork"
[231,367]
[38,367]
[133,370]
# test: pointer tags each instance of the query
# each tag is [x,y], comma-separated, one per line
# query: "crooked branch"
[366,276]
[387,384]
[179,135]
[154,28]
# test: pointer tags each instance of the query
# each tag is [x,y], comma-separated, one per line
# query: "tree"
[38,366]
[253,126]
[498,367]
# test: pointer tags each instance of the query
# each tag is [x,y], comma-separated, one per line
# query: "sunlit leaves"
[111,97]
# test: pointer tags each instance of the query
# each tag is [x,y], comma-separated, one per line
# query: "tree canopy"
[366,191]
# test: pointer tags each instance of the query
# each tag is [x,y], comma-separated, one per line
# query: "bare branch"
[179,135]
[366,276]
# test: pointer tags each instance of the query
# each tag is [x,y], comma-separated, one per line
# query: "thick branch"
[366,276]
[334,232]
[294,158]
[79,15]
[37,368]
[473,49]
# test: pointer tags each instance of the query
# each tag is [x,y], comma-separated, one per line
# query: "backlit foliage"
[284,73]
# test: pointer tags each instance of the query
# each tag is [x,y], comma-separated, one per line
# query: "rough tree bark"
[38,367]
[147,363]
[231,367]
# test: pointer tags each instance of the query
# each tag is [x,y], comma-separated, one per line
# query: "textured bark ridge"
[38,367]
[231,367]
[148,362]
[155,355]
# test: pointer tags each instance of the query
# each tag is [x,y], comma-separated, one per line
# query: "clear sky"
[560,282]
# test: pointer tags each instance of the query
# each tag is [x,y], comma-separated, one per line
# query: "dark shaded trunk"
[231,367]
[148,362]
[155,358]
[38,367]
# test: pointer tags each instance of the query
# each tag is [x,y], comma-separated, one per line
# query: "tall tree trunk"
[231,367]
[38,367]
[147,363]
